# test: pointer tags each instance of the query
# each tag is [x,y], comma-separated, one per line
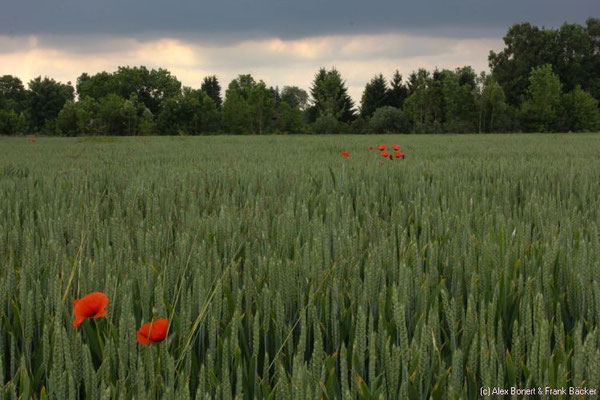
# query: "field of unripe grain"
[287,271]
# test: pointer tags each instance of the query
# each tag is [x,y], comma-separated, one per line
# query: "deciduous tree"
[579,111]
[13,95]
[539,110]
[47,97]
[294,97]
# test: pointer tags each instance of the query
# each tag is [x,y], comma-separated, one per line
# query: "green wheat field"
[289,272]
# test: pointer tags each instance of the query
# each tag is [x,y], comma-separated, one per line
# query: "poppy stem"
[342,183]
[99,339]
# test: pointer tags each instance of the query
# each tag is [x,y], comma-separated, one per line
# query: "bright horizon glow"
[276,61]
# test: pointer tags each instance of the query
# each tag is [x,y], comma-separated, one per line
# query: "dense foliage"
[543,80]
[300,274]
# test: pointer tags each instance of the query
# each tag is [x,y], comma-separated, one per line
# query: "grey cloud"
[247,51]
[285,18]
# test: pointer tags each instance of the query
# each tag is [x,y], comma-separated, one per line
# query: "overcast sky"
[283,42]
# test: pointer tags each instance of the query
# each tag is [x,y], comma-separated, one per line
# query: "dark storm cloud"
[285,18]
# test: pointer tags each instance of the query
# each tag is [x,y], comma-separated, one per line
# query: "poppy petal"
[142,339]
[91,305]
[152,332]
[78,321]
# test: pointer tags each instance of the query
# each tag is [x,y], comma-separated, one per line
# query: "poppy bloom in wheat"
[344,153]
[398,154]
[92,305]
[396,147]
[382,147]
[152,332]
[385,154]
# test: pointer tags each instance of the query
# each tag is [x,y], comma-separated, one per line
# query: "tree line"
[543,80]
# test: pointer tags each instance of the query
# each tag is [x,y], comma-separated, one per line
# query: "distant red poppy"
[152,332]
[92,305]
[396,147]
[385,154]
[398,154]
[370,148]
[31,138]
[382,147]
[344,153]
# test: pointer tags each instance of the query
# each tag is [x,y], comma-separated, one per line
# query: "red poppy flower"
[398,154]
[344,153]
[370,148]
[396,147]
[92,305]
[382,147]
[385,154]
[151,332]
